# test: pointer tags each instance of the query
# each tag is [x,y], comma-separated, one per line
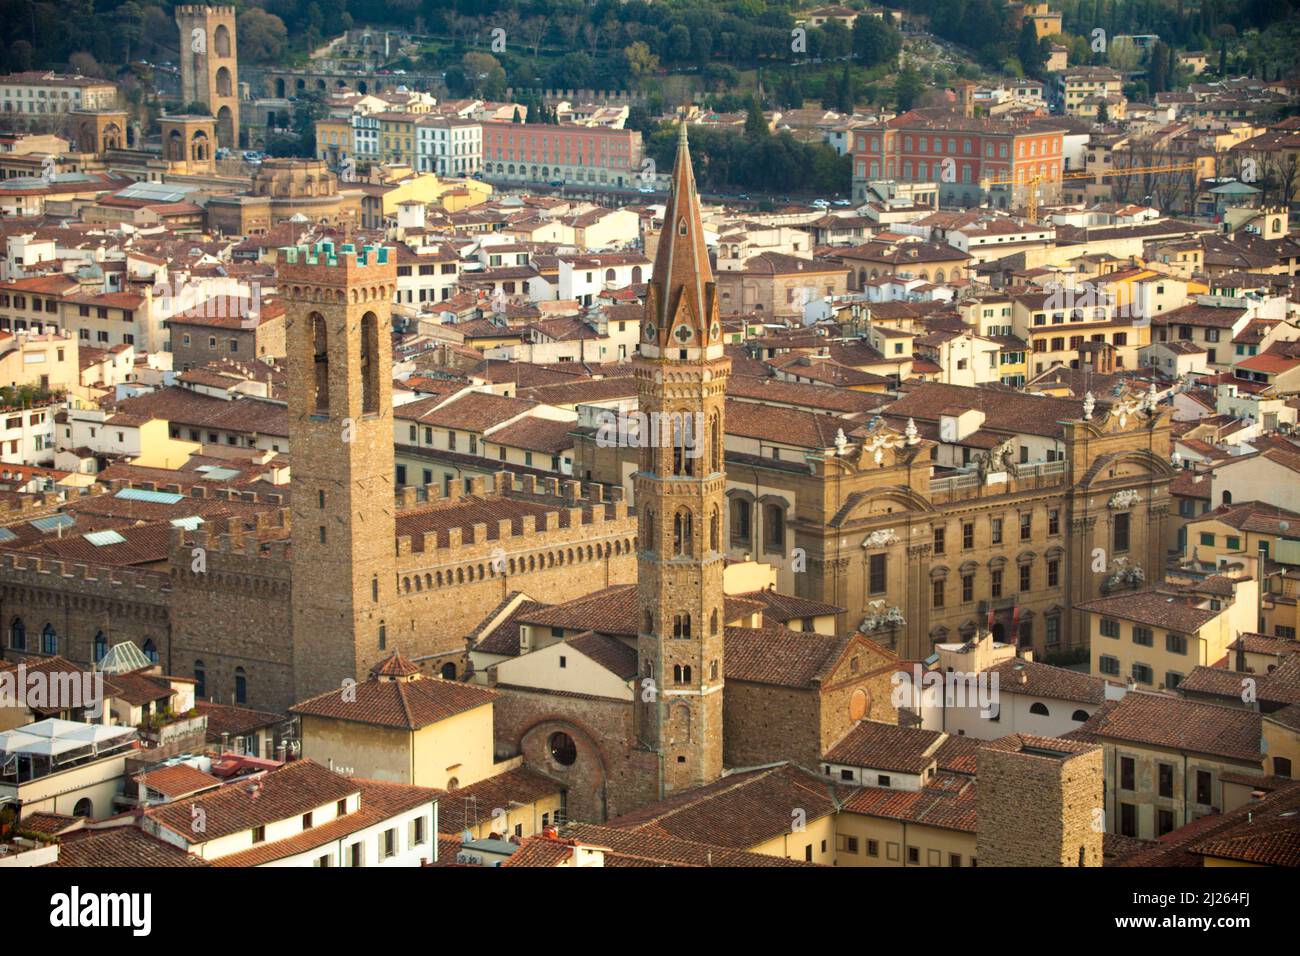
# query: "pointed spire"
[682,304]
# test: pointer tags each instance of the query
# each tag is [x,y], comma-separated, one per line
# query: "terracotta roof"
[1263,832]
[504,637]
[124,846]
[466,807]
[380,800]
[740,811]
[947,802]
[1156,607]
[234,721]
[774,654]
[1177,724]
[642,848]
[179,780]
[782,608]
[409,704]
[610,653]
[288,791]
[1036,679]
[882,746]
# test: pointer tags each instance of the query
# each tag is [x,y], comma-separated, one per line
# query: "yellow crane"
[1031,202]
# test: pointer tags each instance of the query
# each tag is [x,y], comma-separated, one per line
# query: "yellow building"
[1282,741]
[397,137]
[402,727]
[515,803]
[334,141]
[1166,759]
[1157,635]
[452,195]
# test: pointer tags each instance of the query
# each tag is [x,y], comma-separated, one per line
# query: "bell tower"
[338,338]
[681,375]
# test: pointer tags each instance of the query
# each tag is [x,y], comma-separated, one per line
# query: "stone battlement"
[569,503]
[267,538]
[273,501]
[202,10]
[116,582]
[337,266]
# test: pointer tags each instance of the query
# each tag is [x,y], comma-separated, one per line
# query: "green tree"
[908,88]
[874,41]
[261,36]
[755,124]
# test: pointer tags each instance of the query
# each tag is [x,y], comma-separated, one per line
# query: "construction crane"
[1031,202]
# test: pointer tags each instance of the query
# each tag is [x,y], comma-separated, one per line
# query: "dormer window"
[681,227]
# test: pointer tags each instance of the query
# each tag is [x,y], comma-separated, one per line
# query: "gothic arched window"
[683,533]
[320,348]
[369,364]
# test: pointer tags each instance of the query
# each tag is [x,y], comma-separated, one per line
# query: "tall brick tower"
[338,338]
[209,66]
[1039,801]
[681,375]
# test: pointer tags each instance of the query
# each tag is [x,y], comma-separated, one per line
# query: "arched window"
[1079,715]
[18,635]
[101,646]
[449,671]
[241,686]
[383,636]
[369,364]
[49,640]
[713,621]
[774,528]
[682,626]
[150,650]
[677,673]
[713,670]
[1039,708]
[683,533]
[715,523]
[221,40]
[686,674]
[715,437]
[200,680]
[1227,497]
[83,808]
[740,521]
[320,346]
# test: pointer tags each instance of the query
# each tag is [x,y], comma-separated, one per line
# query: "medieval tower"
[338,301]
[1039,801]
[209,67]
[681,375]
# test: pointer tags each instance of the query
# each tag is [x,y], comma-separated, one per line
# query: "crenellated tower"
[209,65]
[681,374]
[338,338]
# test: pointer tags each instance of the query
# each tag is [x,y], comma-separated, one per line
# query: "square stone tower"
[681,374]
[209,66]
[1039,802]
[338,338]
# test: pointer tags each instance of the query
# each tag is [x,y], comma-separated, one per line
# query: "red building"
[961,153]
[541,153]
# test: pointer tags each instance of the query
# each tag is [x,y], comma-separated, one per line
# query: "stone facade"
[1039,802]
[209,65]
[844,515]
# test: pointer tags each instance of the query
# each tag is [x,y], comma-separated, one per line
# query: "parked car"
[645,189]
[842,202]
[821,203]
